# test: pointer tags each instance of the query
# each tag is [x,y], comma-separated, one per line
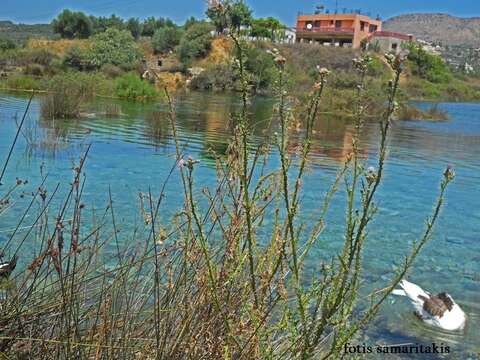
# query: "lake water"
[134,152]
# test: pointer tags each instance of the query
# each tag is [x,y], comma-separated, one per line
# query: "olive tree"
[72,25]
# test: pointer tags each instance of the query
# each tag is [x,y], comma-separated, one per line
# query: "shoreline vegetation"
[134,60]
[226,277]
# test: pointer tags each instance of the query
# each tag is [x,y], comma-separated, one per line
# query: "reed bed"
[207,283]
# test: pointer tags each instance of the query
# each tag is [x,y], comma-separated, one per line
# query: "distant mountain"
[439,28]
[22,32]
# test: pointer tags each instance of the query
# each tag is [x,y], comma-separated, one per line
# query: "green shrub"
[34,70]
[22,82]
[111,71]
[6,44]
[196,42]
[69,91]
[261,67]
[428,66]
[81,84]
[131,86]
[77,58]
[115,47]
[166,39]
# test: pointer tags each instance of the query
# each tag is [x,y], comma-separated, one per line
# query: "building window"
[338,23]
[362,26]
[394,47]
[373,28]
[160,63]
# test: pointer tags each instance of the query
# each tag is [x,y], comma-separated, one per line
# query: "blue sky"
[32,11]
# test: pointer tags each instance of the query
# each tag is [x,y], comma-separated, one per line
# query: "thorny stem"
[245,174]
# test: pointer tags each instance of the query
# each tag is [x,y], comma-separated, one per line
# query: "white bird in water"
[437,310]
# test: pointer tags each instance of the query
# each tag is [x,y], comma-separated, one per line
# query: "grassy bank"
[114,64]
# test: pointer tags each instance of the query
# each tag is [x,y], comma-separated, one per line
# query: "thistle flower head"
[449,173]
[361,64]
[277,58]
[323,71]
[371,175]
[280,61]
[396,62]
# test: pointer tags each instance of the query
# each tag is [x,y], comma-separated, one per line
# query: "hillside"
[439,28]
[22,32]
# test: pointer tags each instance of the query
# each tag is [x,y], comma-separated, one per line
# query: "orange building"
[336,29]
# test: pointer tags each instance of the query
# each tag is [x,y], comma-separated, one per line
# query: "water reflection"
[204,122]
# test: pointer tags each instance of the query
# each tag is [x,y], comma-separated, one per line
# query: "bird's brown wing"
[437,305]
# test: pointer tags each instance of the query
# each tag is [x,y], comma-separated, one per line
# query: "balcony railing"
[391,34]
[327,30]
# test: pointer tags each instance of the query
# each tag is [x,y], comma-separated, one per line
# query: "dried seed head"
[280,61]
[449,173]
[396,62]
[371,175]
[323,71]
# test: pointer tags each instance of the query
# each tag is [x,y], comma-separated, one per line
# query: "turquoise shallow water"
[134,152]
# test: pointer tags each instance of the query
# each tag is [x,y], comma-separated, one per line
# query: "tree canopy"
[166,39]
[196,42]
[116,47]
[266,28]
[135,27]
[231,14]
[72,25]
[152,24]
[426,65]
[102,23]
